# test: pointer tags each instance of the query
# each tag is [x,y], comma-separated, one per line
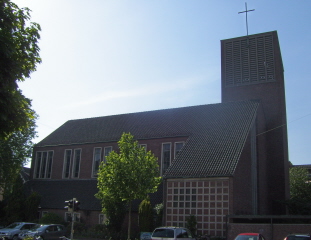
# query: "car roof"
[299,234]
[252,234]
[169,227]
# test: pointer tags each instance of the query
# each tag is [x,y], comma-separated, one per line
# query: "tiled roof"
[216,146]
[216,134]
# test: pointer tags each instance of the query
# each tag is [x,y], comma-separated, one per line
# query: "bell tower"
[252,69]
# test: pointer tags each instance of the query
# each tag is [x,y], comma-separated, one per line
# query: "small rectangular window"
[144,146]
[68,217]
[102,218]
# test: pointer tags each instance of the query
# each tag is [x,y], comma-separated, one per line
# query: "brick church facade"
[216,160]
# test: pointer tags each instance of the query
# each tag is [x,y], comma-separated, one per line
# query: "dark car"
[298,237]
[249,236]
[46,232]
[13,230]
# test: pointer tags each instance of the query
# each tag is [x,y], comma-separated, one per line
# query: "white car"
[12,231]
[171,233]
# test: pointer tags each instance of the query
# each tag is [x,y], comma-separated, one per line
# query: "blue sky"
[106,57]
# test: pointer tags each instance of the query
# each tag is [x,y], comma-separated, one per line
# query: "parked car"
[46,232]
[249,236]
[171,233]
[13,230]
[298,237]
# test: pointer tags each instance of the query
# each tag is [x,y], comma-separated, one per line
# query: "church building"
[216,160]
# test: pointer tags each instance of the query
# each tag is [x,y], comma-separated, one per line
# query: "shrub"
[51,218]
[145,215]
[191,224]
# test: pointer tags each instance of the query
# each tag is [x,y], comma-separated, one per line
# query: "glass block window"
[208,200]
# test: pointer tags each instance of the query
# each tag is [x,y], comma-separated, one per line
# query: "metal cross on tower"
[246,11]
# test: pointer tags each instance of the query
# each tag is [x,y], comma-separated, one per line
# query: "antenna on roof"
[246,11]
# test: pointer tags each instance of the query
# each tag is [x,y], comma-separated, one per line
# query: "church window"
[144,146]
[67,160]
[76,163]
[96,160]
[166,156]
[107,151]
[43,164]
[178,146]
[102,218]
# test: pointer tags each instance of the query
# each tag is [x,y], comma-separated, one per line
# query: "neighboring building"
[216,159]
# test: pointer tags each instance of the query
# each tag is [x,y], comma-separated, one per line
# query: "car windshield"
[247,237]
[163,233]
[14,226]
[38,227]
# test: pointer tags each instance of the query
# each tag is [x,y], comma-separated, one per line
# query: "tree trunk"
[129,226]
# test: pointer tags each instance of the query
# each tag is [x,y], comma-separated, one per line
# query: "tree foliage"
[19,56]
[158,214]
[14,151]
[145,215]
[300,191]
[31,207]
[51,218]
[115,211]
[14,208]
[191,224]
[128,175]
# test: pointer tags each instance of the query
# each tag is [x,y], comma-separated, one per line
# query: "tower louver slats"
[249,61]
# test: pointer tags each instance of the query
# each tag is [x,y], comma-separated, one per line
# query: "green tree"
[15,202]
[158,214]
[128,175]
[115,211]
[191,224]
[145,215]
[300,191]
[14,152]
[19,56]
[32,204]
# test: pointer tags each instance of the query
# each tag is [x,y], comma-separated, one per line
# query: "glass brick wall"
[207,199]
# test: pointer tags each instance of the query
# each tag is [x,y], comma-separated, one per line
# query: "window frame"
[94,171]
[104,153]
[175,148]
[74,164]
[162,156]
[68,216]
[102,218]
[43,167]
[65,163]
